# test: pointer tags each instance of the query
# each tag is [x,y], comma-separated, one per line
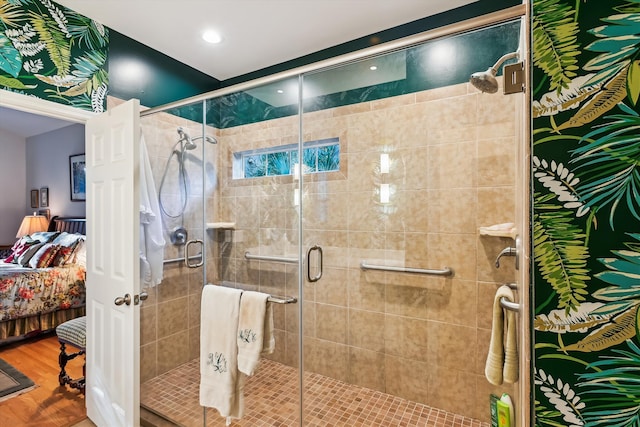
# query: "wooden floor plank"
[48,405]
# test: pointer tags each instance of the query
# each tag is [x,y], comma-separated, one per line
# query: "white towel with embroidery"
[151,238]
[251,330]
[221,383]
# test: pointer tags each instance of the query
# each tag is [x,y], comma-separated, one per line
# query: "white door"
[113,333]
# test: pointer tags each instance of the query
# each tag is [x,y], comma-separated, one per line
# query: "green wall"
[53,53]
[467,53]
[586,218]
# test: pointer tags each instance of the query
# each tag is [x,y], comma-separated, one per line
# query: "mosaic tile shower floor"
[271,400]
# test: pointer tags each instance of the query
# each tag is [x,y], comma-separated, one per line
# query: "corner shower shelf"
[221,225]
[498,232]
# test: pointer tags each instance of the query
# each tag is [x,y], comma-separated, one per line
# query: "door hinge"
[514,78]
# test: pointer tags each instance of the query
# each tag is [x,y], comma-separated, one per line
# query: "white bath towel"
[221,383]
[496,370]
[151,238]
[251,330]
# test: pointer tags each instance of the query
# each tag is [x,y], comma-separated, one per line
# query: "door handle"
[137,298]
[186,254]
[314,248]
[126,299]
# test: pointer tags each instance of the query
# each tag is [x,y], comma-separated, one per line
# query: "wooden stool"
[72,332]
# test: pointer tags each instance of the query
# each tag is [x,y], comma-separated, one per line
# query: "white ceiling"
[256,33]
[26,125]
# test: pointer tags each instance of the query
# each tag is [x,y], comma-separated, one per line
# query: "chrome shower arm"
[503,58]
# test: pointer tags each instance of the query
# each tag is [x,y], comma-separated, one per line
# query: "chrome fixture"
[446,271]
[510,305]
[508,251]
[486,81]
[186,143]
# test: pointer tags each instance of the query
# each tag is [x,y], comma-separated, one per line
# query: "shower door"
[255,210]
[353,196]
[179,153]
[402,161]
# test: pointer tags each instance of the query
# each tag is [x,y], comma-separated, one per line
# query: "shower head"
[190,143]
[486,81]
[209,139]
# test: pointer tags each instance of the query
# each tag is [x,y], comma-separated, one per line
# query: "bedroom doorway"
[63,406]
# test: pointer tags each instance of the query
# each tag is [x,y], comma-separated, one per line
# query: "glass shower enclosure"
[353,195]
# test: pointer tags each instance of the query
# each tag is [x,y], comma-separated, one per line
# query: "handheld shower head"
[486,81]
[186,139]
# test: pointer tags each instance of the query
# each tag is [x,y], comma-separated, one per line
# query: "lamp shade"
[31,224]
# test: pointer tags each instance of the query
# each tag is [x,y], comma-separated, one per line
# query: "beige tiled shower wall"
[170,317]
[423,338]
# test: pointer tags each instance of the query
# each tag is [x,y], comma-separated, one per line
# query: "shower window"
[317,156]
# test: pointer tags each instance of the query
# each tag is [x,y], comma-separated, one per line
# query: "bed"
[43,285]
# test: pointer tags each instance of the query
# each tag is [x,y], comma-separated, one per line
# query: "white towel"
[221,383]
[496,369]
[251,330]
[151,238]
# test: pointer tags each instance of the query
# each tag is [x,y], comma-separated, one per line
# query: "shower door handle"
[318,249]
[186,254]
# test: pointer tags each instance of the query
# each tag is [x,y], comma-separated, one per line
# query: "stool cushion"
[73,332]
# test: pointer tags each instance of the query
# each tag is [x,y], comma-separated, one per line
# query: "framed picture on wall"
[77,177]
[35,199]
[44,197]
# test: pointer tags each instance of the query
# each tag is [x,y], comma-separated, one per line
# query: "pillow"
[25,256]
[63,256]
[19,248]
[80,253]
[44,236]
[67,239]
[44,256]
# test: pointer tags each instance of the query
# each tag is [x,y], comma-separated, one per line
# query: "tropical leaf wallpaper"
[586,218]
[51,52]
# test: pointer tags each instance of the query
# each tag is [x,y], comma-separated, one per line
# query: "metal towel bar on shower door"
[282,300]
[509,305]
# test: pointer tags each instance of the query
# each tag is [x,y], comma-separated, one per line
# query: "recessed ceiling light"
[211,36]
[280,91]
[373,68]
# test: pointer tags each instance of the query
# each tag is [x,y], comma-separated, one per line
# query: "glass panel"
[279,163]
[255,213]
[169,323]
[424,160]
[255,166]
[400,168]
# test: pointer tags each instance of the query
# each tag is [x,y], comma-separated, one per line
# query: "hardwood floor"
[48,405]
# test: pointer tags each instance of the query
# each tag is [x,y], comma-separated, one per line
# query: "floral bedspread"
[26,291]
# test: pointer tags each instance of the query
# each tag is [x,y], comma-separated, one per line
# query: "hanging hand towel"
[251,328]
[510,370]
[220,382]
[151,238]
[269,339]
[495,359]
